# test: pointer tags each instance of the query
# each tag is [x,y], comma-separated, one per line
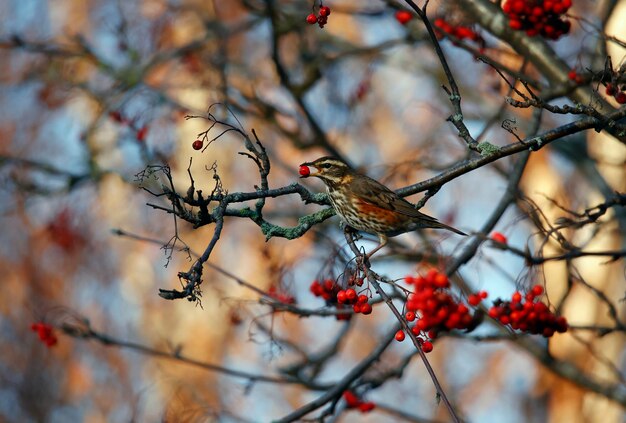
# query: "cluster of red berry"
[359,302]
[573,75]
[45,332]
[536,17]
[618,92]
[438,309]
[327,289]
[281,295]
[352,401]
[531,315]
[442,27]
[140,132]
[333,294]
[321,19]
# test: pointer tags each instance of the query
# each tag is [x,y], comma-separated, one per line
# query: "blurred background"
[92,92]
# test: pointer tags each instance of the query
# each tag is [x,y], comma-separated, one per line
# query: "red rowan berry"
[351,295]
[610,89]
[427,346]
[403,16]
[311,19]
[441,280]
[197,144]
[498,237]
[473,300]
[142,133]
[400,335]
[351,399]
[366,407]
[324,11]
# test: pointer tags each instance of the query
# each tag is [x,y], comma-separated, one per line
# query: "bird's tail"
[439,225]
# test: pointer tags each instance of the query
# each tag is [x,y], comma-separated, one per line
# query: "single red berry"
[357,308]
[515,24]
[304,171]
[362,299]
[410,316]
[324,11]
[329,284]
[621,97]
[499,237]
[311,19]
[441,280]
[366,407]
[351,295]
[341,297]
[197,144]
[431,275]
[423,324]
[366,308]
[116,116]
[400,335]
[516,297]
[141,133]
[403,16]
[463,32]
[427,346]
[610,89]
[483,294]
[572,74]
[531,32]
[537,290]
[517,7]
[473,300]
[439,22]
[351,399]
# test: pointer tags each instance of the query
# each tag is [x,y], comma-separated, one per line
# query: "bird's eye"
[325,165]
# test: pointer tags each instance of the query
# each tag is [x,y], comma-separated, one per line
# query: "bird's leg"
[383,241]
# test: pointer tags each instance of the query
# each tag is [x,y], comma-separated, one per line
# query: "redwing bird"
[367,205]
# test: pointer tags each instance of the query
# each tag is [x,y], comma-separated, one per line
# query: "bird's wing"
[373,192]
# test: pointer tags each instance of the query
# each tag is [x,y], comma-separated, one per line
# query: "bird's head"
[330,170]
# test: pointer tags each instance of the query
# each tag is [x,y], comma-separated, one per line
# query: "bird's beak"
[313,170]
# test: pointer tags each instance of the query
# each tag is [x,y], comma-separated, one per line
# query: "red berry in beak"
[304,171]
